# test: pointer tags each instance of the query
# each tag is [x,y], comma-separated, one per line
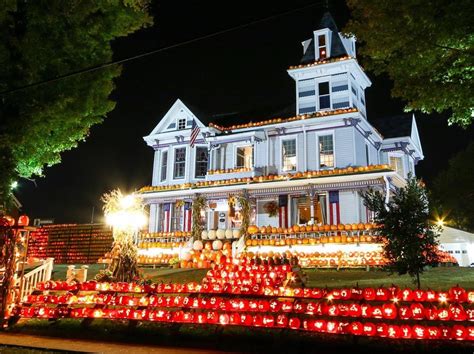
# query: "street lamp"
[125,213]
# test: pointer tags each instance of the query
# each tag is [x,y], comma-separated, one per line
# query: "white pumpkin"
[187,256]
[217,245]
[228,233]
[220,234]
[197,245]
[204,235]
[236,233]
[211,234]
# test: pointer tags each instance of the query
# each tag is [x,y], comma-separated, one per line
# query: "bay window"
[164,165]
[288,155]
[201,162]
[179,163]
[326,151]
[244,157]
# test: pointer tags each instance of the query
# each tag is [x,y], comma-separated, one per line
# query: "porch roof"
[318,184]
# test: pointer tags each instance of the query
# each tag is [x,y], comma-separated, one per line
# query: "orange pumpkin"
[340,227]
[252,229]
[296,228]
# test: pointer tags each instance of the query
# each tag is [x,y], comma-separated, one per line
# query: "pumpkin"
[228,234]
[217,245]
[333,228]
[204,235]
[197,245]
[263,230]
[354,226]
[327,228]
[295,228]
[315,228]
[220,234]
[252,229]
[309,228]
[340,227]
[236,233]
[211,235]
[347,227]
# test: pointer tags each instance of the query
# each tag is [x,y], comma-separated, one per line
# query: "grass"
[436,278]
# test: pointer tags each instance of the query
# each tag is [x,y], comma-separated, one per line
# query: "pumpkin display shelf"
[247,294]
[70,243]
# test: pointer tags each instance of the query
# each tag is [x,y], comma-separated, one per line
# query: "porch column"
[311,207]
[290,212]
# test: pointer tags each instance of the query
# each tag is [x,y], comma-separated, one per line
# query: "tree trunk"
[418,280]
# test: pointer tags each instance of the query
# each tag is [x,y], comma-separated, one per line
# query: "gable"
[178,112]
[415,137]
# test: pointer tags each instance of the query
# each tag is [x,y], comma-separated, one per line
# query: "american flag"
[194,133]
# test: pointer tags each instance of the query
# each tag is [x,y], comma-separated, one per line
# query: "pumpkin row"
[388,311]
[378,329]
[267,178]
[254,229]
[311,240]
[456,294]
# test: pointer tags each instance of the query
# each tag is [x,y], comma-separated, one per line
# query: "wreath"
[271,208]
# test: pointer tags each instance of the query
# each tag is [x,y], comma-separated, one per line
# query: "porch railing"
[37,275]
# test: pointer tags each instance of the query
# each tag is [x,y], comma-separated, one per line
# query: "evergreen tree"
[411,242]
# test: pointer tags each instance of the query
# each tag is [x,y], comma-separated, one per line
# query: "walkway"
[90,346]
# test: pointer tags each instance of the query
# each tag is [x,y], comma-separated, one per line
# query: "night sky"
[227,78]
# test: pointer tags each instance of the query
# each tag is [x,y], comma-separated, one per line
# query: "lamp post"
[125,213]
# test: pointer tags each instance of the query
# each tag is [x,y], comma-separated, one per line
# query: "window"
[289,155]
[322,46]
[324,99]
[326,151]
[244,157]
[181,123]
[396,164]
[201,162]
[179,162]
[164,165]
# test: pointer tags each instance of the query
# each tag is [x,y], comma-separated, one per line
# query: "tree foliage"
[410,239]
[453,190]
[425,47]
[44,39]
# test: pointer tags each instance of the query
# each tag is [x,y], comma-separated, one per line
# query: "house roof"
[394,126]
[337,48]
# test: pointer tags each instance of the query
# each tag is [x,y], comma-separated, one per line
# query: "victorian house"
[309,167]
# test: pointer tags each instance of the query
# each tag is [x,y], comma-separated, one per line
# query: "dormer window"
[181,123]
[322,49]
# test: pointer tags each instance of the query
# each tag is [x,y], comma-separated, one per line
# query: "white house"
[312,165]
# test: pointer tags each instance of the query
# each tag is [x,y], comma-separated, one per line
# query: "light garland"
[229,170]
[320,114]
[321,62]
[269,178]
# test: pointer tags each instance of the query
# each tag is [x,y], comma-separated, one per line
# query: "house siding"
[344,147]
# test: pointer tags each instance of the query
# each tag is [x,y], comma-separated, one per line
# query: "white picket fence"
[37,275]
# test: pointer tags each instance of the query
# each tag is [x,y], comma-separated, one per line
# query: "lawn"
[435,278]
